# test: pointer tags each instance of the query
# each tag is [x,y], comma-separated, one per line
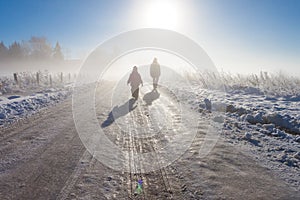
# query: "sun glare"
[162,14]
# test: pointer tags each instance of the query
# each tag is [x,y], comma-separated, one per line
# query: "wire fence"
[31,80]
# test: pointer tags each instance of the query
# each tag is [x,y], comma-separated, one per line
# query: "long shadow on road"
[119,111]
[151,96]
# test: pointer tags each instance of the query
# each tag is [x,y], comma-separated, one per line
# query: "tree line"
[35,49]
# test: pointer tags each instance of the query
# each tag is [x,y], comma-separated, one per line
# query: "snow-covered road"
[44,158]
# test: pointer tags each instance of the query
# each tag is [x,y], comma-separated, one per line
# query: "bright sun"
[162,14]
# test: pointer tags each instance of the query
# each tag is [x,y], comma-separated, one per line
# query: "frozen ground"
[17,102]
[17,107]
[266,127]
[44,158]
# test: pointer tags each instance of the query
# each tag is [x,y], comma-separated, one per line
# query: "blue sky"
[239,35]
[75,24]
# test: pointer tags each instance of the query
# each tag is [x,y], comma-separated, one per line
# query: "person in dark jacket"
[155,72]
[135,81]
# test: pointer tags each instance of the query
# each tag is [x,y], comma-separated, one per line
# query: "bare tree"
[40,49]
[57,54]
[36,49]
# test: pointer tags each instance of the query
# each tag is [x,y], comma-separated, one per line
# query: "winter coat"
[155,70]
[135,80]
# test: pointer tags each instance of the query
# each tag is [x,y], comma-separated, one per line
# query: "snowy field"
[258,114]
[19,101]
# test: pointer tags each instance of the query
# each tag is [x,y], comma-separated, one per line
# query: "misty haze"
[160,99]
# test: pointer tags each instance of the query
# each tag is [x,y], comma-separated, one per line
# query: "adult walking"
[135,81]
[155,72]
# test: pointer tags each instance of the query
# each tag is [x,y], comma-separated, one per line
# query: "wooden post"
[50,79]
[16,78]
[61,77]
[38,78]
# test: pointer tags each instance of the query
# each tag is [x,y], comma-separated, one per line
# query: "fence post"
[38,78]
[50,78]
[61,77]
[16,78]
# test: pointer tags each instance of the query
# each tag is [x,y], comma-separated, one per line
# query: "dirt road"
[44,158]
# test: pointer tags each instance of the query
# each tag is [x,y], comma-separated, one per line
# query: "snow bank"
[15,107]
[269,125]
